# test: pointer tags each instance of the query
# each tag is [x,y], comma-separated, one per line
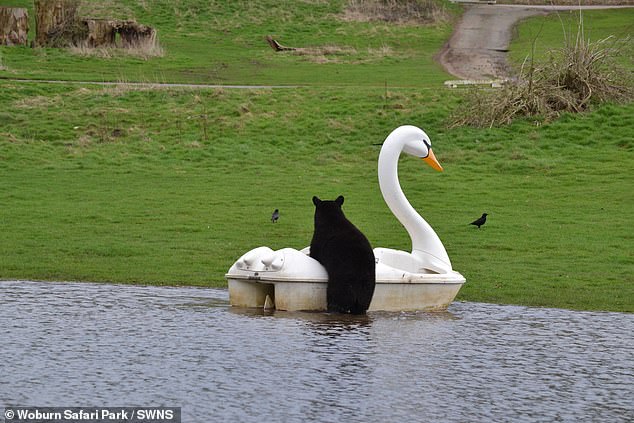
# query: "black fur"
[480,221]
[347,256]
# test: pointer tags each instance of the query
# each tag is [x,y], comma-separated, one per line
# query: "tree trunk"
[14,26]
[56,23]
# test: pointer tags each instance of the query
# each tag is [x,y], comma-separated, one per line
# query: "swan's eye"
[428,145]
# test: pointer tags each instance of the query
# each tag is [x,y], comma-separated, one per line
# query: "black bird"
[275,216]
[480,221]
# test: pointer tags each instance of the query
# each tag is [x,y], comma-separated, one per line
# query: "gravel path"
[477,48]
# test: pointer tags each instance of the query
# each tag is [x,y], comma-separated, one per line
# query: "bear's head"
[328,210]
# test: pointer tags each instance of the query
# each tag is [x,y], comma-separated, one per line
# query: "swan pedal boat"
[291,280]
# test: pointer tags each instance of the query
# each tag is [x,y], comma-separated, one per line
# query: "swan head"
[417,143]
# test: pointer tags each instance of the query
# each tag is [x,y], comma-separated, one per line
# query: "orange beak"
[431,160]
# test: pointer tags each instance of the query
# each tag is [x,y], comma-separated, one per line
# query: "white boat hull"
[295,282]
[311,296]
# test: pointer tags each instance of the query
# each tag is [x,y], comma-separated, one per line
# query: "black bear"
[347,256]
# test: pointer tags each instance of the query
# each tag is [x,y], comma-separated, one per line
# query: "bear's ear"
[316,200]
[339,200]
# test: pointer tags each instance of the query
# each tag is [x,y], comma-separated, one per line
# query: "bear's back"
[347,255]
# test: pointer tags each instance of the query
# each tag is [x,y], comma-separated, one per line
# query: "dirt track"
[477,49]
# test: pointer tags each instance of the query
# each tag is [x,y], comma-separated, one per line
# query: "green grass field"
[223,42]
[554,30]
[170,186]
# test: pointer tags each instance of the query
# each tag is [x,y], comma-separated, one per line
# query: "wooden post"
[14,26]
[55,22]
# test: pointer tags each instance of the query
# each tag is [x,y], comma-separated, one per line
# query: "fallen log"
[277,46]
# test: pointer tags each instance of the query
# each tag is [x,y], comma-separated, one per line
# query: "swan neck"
[425,242]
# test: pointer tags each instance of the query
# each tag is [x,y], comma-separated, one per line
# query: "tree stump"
[14,26]
[101,32]
[135,35]
[56,23]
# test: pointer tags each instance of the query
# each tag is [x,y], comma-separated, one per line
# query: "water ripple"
[119,345]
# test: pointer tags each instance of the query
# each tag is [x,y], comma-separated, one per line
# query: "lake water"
[81,344]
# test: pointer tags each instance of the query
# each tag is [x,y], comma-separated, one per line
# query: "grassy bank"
[98,186]
[170,186]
